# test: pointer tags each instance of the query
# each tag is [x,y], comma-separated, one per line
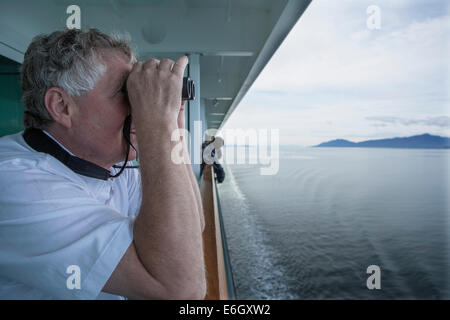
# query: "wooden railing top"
[212,239]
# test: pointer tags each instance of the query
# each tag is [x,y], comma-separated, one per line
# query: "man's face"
[101,113]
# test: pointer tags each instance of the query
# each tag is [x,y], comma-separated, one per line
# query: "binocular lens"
[188,91]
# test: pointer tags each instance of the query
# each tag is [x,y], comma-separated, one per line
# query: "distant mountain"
[337,143]
[423,141]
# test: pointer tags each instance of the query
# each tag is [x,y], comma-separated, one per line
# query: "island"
[423,141]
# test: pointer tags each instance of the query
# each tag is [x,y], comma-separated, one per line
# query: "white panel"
[194,114]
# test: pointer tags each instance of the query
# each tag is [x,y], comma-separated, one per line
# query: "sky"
[334,77]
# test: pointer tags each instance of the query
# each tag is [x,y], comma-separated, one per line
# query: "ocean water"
[311,230]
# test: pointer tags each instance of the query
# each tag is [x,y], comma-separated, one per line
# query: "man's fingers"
[180,65]
[137,66]
[151,64]
[166,64]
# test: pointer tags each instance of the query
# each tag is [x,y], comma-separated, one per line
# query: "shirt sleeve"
[52,231]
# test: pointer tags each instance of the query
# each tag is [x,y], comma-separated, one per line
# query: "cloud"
[332,75]
[442,121]
[361,58]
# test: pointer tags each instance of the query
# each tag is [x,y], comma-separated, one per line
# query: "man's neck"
[66,143]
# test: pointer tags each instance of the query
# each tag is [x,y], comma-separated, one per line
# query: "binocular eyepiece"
[187,93]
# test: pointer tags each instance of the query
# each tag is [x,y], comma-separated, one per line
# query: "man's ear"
[59,105]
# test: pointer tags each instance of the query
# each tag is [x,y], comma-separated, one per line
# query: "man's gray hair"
[66,59]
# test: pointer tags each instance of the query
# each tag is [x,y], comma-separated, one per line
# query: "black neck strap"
[40,142]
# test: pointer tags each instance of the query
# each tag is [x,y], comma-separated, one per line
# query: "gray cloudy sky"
[335,78]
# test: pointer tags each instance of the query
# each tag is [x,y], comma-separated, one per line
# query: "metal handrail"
[226,256]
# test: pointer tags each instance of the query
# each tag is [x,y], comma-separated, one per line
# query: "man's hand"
[154,90]
[181,118]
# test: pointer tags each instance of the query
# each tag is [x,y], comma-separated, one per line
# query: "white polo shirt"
[61,234]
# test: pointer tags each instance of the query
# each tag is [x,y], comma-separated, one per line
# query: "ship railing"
[219,276]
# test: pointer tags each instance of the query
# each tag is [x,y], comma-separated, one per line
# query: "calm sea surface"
[311,230]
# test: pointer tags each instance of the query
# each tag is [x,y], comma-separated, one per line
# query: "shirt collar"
[54,139]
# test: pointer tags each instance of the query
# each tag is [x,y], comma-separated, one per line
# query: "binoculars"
[187,93]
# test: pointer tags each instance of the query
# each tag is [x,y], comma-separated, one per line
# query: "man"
[218,169]
[69,227]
